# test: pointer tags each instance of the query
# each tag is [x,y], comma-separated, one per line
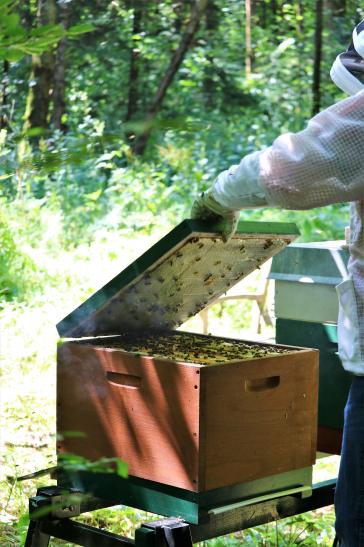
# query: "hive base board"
[166,500]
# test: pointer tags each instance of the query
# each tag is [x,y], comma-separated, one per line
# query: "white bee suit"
[321,165]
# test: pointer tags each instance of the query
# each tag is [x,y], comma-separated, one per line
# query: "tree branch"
[176,61]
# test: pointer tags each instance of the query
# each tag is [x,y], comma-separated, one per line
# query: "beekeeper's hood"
[347,72]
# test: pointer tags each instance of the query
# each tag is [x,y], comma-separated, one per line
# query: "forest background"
[114,115]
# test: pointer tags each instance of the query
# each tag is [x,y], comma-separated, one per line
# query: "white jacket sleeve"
[320,165]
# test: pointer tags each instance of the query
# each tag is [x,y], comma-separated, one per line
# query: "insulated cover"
[176,278]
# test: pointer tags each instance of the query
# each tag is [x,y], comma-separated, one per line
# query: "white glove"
[207,208]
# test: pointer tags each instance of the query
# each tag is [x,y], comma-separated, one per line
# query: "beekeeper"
[321,165]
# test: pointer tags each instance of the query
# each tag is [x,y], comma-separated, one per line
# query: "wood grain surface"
[149,416]
[260,418]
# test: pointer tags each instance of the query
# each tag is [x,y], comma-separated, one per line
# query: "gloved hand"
[207,208]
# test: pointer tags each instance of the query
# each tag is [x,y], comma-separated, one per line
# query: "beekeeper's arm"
[320,165]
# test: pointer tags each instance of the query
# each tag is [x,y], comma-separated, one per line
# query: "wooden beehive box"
[191,411]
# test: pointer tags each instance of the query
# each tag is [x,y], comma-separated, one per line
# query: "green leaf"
[45,29]
[9,22]
[6,4]
[49,37]
[187,83]
[14,55]
[121,468]
[76,30]
[34,132]
[94,196]
[18,33]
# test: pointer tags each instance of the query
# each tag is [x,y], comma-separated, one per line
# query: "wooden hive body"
[192,426]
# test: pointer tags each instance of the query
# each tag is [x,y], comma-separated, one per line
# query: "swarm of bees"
[189,348]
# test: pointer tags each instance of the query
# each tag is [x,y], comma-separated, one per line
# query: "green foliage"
[212,115]
[17,41]
[72,463]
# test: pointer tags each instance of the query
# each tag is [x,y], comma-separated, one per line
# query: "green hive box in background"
[306,308]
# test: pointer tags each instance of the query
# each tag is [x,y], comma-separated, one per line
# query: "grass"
[27,396]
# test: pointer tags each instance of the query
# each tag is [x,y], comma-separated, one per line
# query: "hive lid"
[176,278]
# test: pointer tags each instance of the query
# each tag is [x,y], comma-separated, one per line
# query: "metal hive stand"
[51,512]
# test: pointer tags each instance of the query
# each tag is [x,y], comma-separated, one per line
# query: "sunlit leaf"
[94,195]
[34,132]
[121,468]
[77,30]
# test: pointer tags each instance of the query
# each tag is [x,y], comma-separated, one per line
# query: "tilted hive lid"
[176,278]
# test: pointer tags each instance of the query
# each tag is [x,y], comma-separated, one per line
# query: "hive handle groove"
[124,380]
[262,384]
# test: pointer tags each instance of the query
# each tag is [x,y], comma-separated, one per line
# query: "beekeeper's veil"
[347,72]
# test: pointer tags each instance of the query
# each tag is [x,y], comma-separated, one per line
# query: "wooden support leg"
[35,536]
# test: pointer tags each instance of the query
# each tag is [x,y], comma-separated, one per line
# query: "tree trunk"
[316,84]
[4,117]
[38,100]
[179,8]
[166,81]
[248,38]
[262,14]
[59,79]
[133,93]
[212,24]
[273,7]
